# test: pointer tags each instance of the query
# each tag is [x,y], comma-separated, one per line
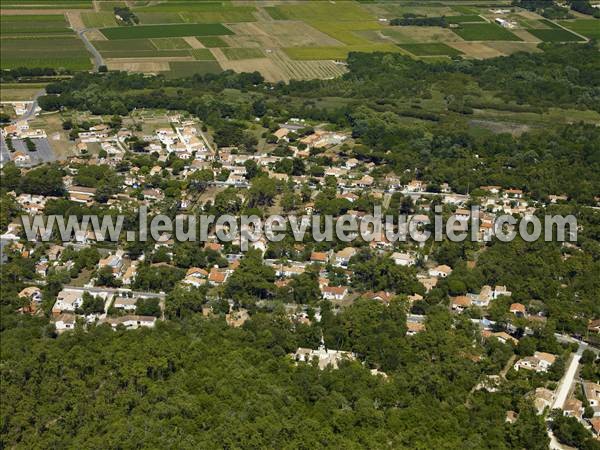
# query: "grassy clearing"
[98,19]
[14,92]
[154,18]
[57,52]
[464,9]
[465,18]
[212,41]
[417,35]
[158,31]
[275,12]
[431,49]
[185,69]
[170,43]
[589,28]
[224,15]
[485,32]
[555,35]
[32,24]
[202,54]
[243,53]
[336,53]
[345,32]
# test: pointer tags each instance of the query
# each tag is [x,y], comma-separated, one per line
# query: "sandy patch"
[475,49]
[95,35]
[75,20]
[527,37]
[137,66]
[193,42]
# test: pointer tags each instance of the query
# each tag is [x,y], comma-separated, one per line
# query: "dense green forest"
[200,384]
[194,382]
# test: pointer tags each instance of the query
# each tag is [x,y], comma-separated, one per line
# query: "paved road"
[98,61]
[566,382]
[30,114]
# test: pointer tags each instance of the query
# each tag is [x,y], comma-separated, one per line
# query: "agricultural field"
[485,32]
[57,52]
[555,35]
[33,24]
[589,28]
[336,53]
[212,41]
[46,4]
[243,53]
[160,31]
[12,92]
[202,54]
[185,69]
[469,18]
[432,49]
[284,40]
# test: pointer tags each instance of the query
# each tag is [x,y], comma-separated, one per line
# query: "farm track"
[98,60]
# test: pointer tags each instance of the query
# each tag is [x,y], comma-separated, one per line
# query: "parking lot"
[42,154]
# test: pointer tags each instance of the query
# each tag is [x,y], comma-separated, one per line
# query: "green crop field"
[46,4]
[465,19]
[98,19]
[154,18]
[243,53]
[589,28]
[56,52]
[555,35]
[485,32]
[212,41]
[431,49]
[29,24]
[202,54]
[158,31]
[186,69]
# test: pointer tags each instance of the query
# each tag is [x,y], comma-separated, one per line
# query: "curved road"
[98,61]
[32,107]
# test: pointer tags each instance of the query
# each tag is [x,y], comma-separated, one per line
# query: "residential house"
[460,303]
[441,271]
[592,394]
[320,257]
[573,408]
[404,259]
[125,303]
[518,309]
[334,292]
[543,398]
[324,357]
[236,319]
[64,322]
[131,322]
[67,300]
[539,362]
[342,258]
[81,194]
